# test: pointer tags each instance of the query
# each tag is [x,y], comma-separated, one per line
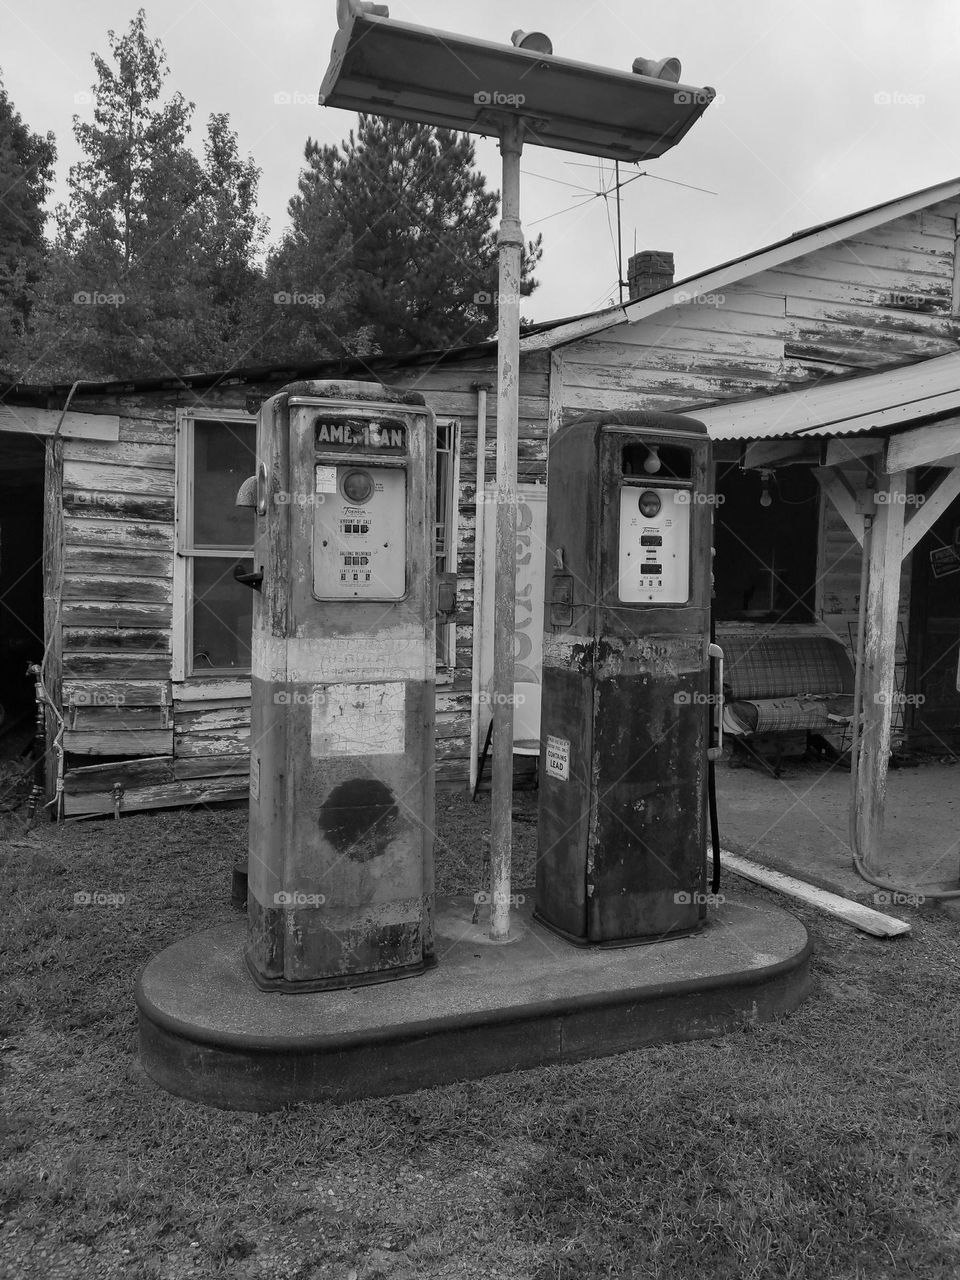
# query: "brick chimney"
[649,272]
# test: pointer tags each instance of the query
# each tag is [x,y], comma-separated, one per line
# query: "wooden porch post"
[883,603]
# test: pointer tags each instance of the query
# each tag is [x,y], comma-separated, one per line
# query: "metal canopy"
[408,72]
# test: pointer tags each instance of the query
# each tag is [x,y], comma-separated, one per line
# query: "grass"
[824,1145]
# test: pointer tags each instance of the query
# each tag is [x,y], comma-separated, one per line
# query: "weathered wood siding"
[451,392]
[127,721]
[881,299]
[867,303]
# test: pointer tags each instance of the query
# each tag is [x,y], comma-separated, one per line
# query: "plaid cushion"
[764,667]
[781,715]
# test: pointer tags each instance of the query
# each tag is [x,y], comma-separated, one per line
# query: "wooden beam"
[836,486]
[848,449]
[771,453]
[924,446]
[861,917]
[883,603]
[955,292]
[932,509]
[43,422]
[555,394]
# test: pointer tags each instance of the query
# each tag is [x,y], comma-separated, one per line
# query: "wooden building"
[804,358]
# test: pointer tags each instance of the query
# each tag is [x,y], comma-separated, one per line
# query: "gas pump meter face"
[656,496]
[654,545]
[360,511]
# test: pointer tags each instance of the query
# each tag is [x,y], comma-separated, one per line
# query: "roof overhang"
[878,402]
[408,72]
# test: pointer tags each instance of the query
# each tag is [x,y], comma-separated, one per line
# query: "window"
[212,611]
[448,491]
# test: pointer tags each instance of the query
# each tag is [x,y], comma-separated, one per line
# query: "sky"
[823,107]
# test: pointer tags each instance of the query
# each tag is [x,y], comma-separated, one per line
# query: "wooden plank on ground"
[861,917]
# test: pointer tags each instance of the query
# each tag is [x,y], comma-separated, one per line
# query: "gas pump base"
[208,1033]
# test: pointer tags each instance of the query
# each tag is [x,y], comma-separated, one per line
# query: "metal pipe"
[481,389]
[510,242]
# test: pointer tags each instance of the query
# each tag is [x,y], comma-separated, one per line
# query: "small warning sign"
[558,758]
[326,479]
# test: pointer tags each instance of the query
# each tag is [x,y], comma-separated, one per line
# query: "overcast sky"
[824,107]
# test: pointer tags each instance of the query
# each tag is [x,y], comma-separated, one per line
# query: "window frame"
[185,554]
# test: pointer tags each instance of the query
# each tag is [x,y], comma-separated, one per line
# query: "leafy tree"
[230,238]
[155,253]
[395,231]
[26,173]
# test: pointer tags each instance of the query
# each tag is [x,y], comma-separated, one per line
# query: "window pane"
[224,456]
[222,617]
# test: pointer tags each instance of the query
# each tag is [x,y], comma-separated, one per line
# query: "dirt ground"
[822,1144]
[799,823]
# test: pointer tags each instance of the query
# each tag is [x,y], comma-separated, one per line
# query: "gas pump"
[340,876]
[626,680]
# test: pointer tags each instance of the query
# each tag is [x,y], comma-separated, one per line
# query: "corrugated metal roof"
[876,403]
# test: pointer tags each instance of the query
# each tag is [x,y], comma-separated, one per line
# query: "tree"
[154,260]
[395,232]
[231,235]
[26,173]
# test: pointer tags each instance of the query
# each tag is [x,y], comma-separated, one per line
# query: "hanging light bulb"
[651,464]
[765,498]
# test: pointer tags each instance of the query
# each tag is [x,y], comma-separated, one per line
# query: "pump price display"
[654,564]
[360,533]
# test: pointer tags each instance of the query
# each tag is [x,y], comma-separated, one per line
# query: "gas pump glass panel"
[360,528]
[654,565]
[360,505]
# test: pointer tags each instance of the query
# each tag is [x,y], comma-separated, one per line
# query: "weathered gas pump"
[340,876]
[626,680]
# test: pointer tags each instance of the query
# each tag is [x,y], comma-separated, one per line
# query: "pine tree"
[26,173]
[397,229]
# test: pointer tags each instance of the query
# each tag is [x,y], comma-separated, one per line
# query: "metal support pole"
[479,576]
[508,412]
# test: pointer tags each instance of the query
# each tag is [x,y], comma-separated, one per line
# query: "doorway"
[935,631]
[21,582]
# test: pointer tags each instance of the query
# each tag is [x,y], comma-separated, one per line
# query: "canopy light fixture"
[535,41]
[406,72]
[665,69]
[347,9]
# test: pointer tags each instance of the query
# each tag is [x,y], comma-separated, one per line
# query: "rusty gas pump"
[340,873]
[627,689]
